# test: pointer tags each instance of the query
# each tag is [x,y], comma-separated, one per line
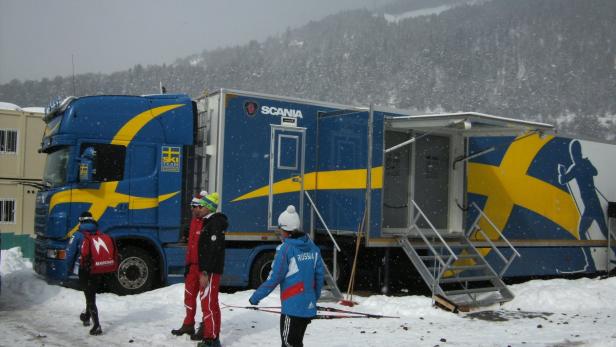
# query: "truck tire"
[136,272]
[261,268]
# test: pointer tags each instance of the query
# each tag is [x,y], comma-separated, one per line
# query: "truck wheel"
[261,268]
[136,272]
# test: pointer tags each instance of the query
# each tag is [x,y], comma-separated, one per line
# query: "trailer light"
[56,253]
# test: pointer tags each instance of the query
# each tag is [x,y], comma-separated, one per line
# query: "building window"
[7,211]
[8,141]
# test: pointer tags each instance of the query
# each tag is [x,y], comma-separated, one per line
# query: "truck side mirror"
[87,165]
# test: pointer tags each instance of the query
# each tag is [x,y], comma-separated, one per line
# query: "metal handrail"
[497,230]
[444,269]
[515,253]
[437,234]
[314,207]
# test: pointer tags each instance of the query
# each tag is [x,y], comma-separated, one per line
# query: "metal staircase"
[453,267]
[331,284]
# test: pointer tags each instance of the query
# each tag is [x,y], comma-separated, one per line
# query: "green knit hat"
[210,201]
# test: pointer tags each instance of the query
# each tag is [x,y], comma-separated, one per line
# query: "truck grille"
[40,255]
[40,219]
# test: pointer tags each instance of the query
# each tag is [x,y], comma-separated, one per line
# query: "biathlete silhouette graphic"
[579,178]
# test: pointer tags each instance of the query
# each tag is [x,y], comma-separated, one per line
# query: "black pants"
[292,330]
[89,285]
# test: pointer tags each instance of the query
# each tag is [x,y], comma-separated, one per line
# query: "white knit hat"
[289,219]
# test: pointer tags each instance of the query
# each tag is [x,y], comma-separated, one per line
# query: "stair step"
[446,257]
[466,279]
[472,271]
[468,267]
[433,258]
[472,290]
[430,257]
[469,256]
[460,267]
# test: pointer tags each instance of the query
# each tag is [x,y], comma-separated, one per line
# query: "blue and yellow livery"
[346,169]
[119,157]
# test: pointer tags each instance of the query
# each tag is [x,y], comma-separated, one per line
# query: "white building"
[21,167]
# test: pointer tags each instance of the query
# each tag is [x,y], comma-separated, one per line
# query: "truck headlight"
[56,253]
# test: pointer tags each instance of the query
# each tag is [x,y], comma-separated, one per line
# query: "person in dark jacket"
[211,265]
[191,274]
[88,282]
[298,269]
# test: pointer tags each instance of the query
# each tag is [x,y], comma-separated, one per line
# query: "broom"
[349,296]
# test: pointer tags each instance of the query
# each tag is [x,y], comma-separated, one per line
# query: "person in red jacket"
[211,265]
[80,265]
[191,274]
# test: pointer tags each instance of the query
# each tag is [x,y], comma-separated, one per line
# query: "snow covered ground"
[544,313]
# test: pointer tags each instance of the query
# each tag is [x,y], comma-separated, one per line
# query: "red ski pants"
[191,291]
[211,308]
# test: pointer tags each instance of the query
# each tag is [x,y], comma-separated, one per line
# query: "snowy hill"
[544,60]
[395,18]
[544,313]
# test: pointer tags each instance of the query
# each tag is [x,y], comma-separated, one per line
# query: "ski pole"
[347,314]
[368,315]
[603,196]
[271,309]
[336,316]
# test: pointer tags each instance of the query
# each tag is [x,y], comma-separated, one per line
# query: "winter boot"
[185,329]
[209,343]
[206,343]
[96,327]
[96,330]
[198,336]
[84,317]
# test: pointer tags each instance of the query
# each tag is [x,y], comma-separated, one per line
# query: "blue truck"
[152,154]
[469,198]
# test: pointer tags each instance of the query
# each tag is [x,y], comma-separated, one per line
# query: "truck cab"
[122,159]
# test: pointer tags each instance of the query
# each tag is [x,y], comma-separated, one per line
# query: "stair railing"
[452,256]
[333,284]
[475,227]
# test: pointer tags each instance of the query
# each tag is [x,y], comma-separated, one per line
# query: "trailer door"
[342,177]
[286,173]
[435,155]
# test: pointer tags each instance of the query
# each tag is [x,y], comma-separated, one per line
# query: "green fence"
[26,242]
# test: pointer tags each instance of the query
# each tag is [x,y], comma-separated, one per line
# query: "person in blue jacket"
[88,282]
[298,269]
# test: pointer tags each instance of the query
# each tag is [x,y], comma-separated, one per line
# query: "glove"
[186,270]
[253,301]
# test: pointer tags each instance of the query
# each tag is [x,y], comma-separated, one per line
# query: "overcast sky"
[39,37]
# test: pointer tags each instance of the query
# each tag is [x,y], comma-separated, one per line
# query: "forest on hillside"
[545,60]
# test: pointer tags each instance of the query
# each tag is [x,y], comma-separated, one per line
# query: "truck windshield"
[56,167]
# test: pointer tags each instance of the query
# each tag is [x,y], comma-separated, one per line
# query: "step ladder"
[331,284]
[453,268]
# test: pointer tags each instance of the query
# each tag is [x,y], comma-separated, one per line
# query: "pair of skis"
[323,312]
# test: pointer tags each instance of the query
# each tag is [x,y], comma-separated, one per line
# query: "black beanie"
[86,217]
